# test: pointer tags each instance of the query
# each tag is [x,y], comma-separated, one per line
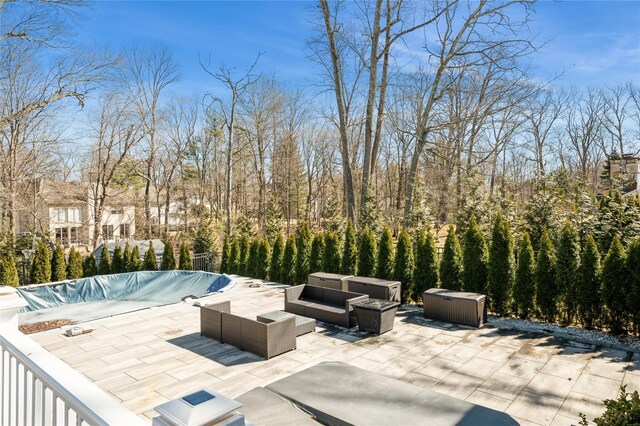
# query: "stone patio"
[148,357]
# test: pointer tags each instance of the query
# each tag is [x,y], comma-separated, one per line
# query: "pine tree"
[384,263]
[252,258]
[614,287]
[226,253]
[89,266]
[8,271]
[168,262]
[331,258]
[126,256]
[500,267]
[317,253]
[589,283]
[262,264]
[567,263]
[58,265]
[205,240]
[275,265]
[74,266]
[289,261]
[117,263]
[546,287]
[426,272]
[367,253]
[474,259]
[135,263]
[403,265]
[41,264]
[451,263]
[184,263]
[243,258]
[149,263]
[104,268]
[234,256]
[349,251]
[633,268]
[524,287]
[303,255]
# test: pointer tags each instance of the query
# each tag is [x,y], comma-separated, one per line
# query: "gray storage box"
[455,306]
[323,279]
[375,288]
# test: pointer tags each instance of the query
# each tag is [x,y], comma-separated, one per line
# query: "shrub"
[184,263]
[524,287]
[234,256]
[275,265]
[8,271]
[546,288]
[589,283]
[252,259]
[205,240]
[41,264]
[622,411]
[303,254]
[104,268]
[126,256]
[501,267]
[117,263]
[262,263]
[58,265]
[367,253]
[149,262]
[567,262]
[384,263]
[451,263]
[614,286]
[633,268]
[74,266]
[226,252]
[317,253]
[349,251]
[403,265]
[243,257]
[474,259]
[89,266]
[168,262]
[331,258]
[289,261]
[135,263]
[426,273]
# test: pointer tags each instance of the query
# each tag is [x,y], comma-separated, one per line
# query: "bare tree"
[542,115]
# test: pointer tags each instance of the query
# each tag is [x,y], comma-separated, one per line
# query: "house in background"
[625,170]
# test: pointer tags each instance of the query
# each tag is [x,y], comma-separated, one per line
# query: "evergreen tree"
[135,263]
[633,268]
[403,265]
[58,265]
[117,263]
[74,266]
[500,267]
[524,287]
[184,263]
[317,253]
[104,268]
[149,263]
[275,265]
[303,255]
[243,258]
[226,254]
[367,253]
[426,272]
[289,261]
[126,256]
[89,266]
[474,259]
[205,240]
[567,263]
[41,264]
[234,256]
[546,287]
[451,263]
[614,287]
[262,264]
[252,259]
[349,251]
[168,259]
[384,263]
[589,283]
[8,271]
[331,258]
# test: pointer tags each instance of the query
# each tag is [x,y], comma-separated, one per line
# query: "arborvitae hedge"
[117,263]
[243,258]
[317,253]
[289,261]
[41,264]
[403,265]
[275,265]
[303,254]
[524,288]
[149,262]
[234,257]
[135,263]
[475,256]
[58,265]
[384,263]
[104,268]
[168,258]
[74,266]
[426,273]
[253,258]
[567,262]
[184,263]
[349,251]
[501,267]
[546,287]
[89,266]
[367,253]
[331,258]
[451,263]
[226,252]
[262,263]
[615,289]
[8,271]
[589,283]
[633,268]
[126,256]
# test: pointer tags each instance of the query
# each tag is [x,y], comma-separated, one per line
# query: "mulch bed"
[37,327]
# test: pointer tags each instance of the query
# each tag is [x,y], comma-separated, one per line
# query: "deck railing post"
[10,304]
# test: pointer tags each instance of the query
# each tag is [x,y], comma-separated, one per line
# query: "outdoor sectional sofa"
[324,304]
[264,339]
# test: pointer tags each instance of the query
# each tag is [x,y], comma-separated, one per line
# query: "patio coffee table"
[304,325]
[376,315]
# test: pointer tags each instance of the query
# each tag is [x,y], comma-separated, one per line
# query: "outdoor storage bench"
[324,304]
[455,306]
[324,279]
[375,288]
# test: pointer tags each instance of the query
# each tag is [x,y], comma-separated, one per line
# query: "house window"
[75,235]
[74,214]
[116,210]
[107,232]
[59,215]
[124,231]
[62,236]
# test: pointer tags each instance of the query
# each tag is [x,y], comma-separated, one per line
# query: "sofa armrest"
[281,336]
[293,293]
[223,305]
[357,299]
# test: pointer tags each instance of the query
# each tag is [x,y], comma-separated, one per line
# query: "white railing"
[40,389]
